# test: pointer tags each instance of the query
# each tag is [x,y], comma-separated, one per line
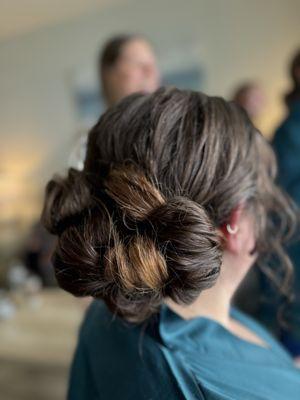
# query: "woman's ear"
[232,230]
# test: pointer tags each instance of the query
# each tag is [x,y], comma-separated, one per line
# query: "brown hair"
[162,173]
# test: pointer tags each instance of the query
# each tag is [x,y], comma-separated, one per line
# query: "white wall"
[234,40]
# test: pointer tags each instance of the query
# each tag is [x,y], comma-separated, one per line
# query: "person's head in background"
[250,96]
[127,64]
[177,196]
[294,70]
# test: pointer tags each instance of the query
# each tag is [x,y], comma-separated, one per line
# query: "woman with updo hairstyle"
[175,203]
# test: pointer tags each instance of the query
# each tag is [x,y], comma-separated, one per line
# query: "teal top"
[171,358]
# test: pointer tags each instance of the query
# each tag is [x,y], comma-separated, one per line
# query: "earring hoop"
[232,231]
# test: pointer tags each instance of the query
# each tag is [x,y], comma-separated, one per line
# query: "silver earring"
[232,231]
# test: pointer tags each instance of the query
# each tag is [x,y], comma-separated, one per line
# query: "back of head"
[162,173]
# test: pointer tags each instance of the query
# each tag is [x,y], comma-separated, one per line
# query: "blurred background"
[49,98]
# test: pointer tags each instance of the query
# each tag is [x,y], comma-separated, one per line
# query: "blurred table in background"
[36,346]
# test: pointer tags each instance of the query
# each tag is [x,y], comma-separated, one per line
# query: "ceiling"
[21,16]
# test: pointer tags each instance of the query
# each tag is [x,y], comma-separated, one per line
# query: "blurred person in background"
[250,96]
[286,143]
[160,227]
[127,64]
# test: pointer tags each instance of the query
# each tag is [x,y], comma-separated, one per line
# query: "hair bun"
[184,236]
[159,247]
[66,199]
[191,246]
[177,254]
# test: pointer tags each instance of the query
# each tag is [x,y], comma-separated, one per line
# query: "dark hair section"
[294,70]
[162,173]
[111,51]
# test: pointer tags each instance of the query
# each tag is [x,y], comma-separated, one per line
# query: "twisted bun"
[161,248]
[181,229]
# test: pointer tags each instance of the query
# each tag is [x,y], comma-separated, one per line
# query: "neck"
[213,303]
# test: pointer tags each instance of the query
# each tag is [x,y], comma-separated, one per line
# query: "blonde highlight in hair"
[140,267]
[133,192]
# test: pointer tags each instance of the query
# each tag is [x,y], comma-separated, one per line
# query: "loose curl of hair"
[162,173]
